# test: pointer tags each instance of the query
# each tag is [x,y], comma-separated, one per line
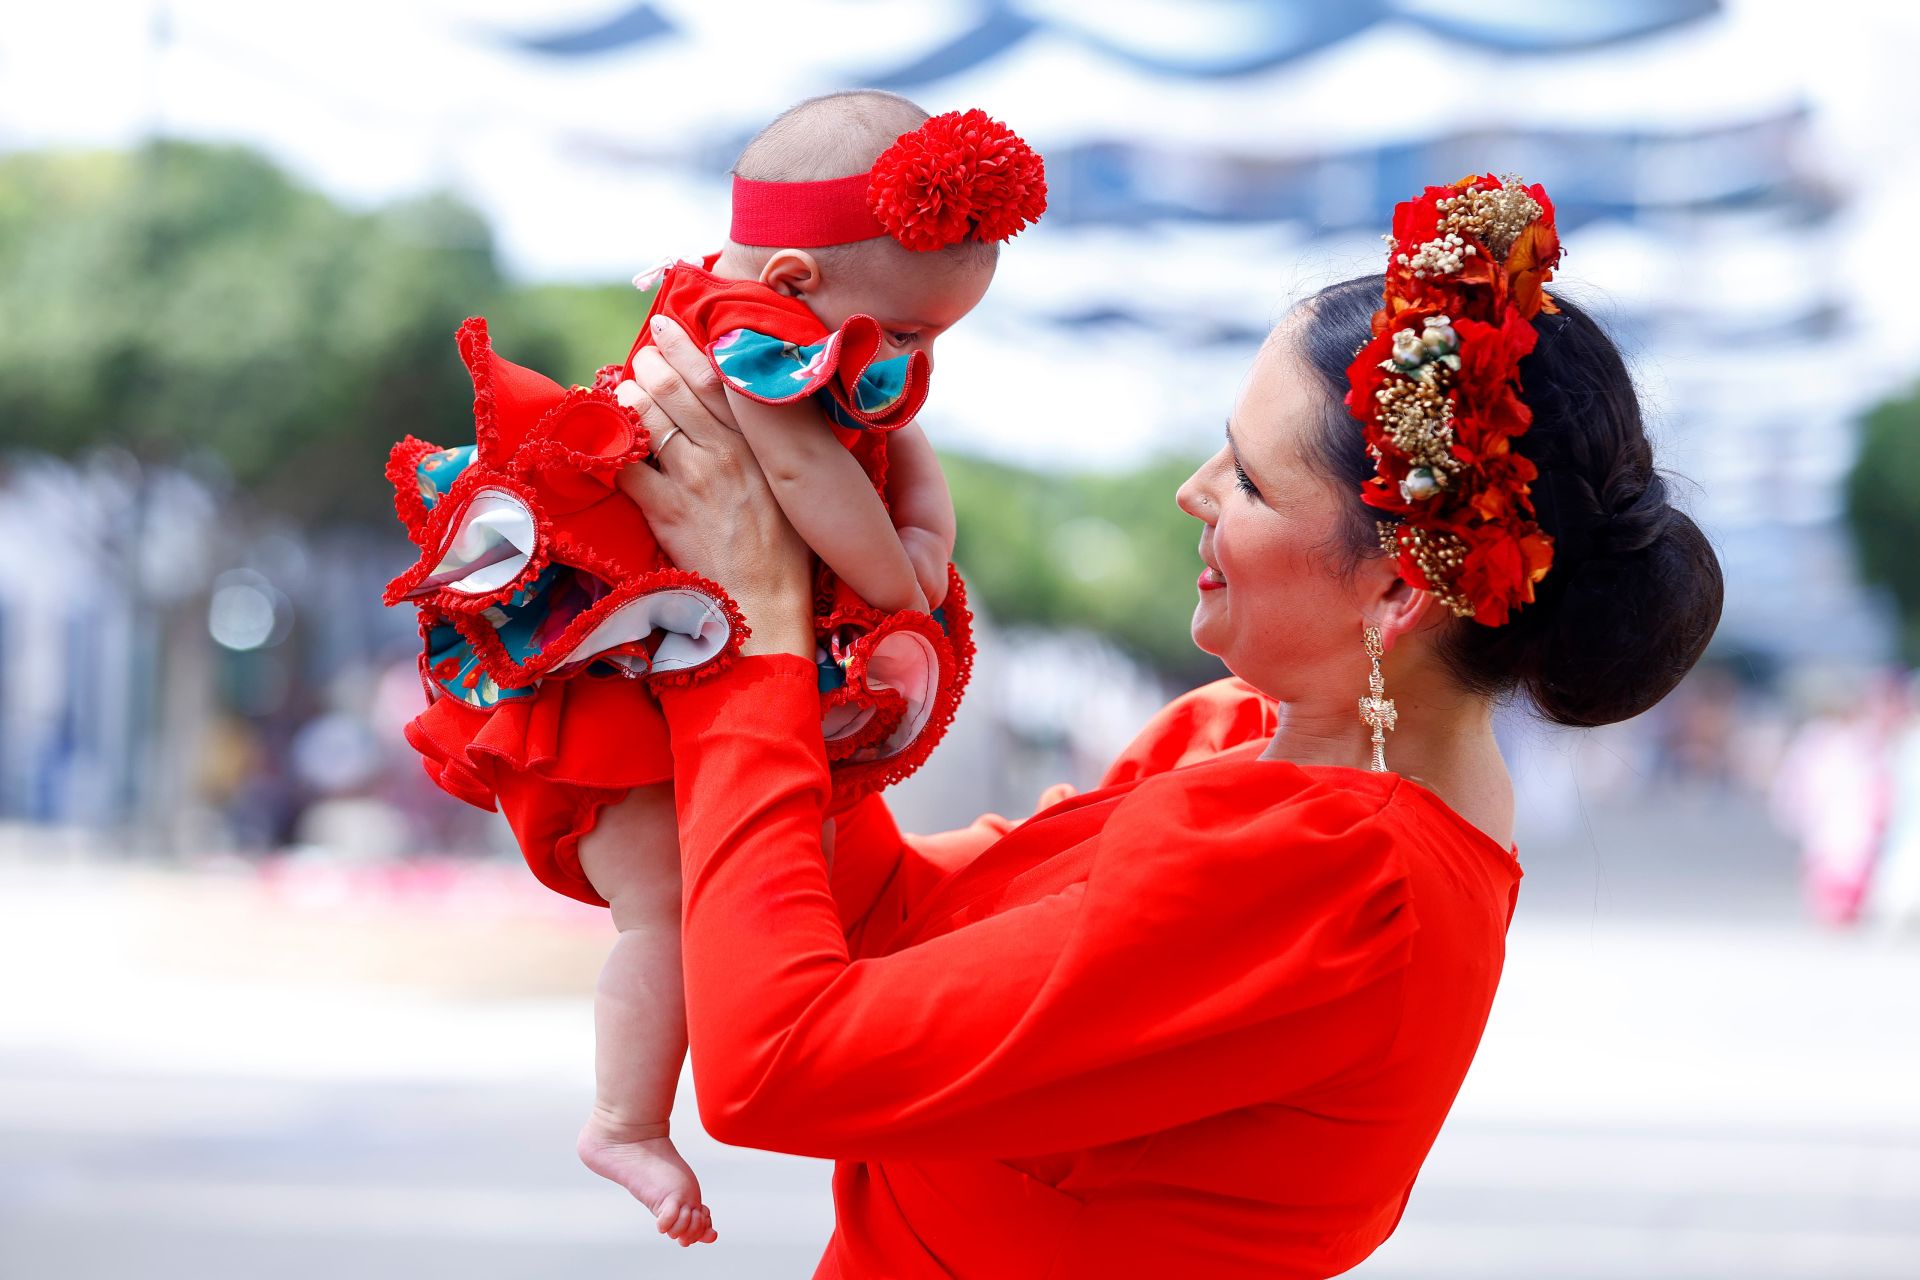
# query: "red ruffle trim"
[856,348]
[549,763]
[586,475]
[508,674]
[437,532]
[954,649]
[475,349]
[403,473]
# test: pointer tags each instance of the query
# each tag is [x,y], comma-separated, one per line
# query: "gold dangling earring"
[1376,710]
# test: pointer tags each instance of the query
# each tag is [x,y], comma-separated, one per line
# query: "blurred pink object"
[1833,793]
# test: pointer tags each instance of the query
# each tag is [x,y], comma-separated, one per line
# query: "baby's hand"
[1053,795]
[643,1160]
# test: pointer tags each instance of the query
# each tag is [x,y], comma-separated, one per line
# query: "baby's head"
[915,295]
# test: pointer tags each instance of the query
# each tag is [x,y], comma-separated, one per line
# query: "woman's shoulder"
[1196,726]
[1269,832]
[1298,872]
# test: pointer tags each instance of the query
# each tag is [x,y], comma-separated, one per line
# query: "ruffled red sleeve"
[772,348]
[1227,934]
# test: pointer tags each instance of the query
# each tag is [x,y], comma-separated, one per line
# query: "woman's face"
[1275,600]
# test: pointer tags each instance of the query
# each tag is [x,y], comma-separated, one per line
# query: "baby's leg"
[639,1014]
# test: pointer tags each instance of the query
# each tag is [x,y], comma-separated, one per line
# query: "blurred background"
[272,1004]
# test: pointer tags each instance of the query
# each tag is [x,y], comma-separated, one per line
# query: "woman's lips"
[1210,579]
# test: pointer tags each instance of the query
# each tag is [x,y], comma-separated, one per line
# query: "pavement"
[369,1072]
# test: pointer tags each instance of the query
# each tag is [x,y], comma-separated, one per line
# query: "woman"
[1207,1019]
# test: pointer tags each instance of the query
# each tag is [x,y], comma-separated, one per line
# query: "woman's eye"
[1246,485]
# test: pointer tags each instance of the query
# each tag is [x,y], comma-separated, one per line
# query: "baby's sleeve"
[862,391]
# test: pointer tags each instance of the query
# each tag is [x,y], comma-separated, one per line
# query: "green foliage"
[1883,509]
[1110,552]
[568,331]
[188,299]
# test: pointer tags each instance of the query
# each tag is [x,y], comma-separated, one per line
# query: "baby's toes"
[669,1213]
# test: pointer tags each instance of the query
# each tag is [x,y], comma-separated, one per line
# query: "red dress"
[1203,1021]
[550,616]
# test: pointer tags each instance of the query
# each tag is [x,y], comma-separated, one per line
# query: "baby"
[862,231]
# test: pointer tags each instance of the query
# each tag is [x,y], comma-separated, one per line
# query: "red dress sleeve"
[784,352]
[1237,937]
[1196,726]
[880,875]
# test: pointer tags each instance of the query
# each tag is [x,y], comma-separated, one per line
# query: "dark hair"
[1635,589]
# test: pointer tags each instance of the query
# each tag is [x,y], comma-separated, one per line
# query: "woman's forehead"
[1278,401]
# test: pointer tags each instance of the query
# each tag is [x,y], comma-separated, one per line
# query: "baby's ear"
[792,272]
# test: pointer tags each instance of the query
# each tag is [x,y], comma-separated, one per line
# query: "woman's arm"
[1070,1021]
[1085,1017]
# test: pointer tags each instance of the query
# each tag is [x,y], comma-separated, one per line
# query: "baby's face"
[915,297]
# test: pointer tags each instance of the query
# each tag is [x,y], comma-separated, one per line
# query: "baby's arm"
[830,501]
[922,508]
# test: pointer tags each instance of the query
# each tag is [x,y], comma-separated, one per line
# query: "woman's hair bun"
[1635,590]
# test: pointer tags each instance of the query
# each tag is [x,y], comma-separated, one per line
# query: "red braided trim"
[889,709]
[475,348]
[738,631]
[403,473]
[437,534]
[854,779]
[541,450]
[508,674]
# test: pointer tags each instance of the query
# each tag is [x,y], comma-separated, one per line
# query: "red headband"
[960,176]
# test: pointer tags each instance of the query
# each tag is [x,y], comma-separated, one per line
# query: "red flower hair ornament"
[960,176]
[1438,389]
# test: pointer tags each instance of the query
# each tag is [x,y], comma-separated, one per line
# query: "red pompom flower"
[959,176]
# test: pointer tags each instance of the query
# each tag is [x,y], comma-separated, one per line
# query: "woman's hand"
[707,500]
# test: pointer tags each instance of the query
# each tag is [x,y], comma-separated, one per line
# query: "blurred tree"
[188,299]
[568,331]
[1883,509]
[1109,552]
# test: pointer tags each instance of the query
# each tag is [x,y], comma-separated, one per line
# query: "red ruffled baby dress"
[548,612]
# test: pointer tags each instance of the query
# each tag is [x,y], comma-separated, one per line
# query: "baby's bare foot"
[642,1159]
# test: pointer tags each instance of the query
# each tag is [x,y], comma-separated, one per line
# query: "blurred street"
[322,1073]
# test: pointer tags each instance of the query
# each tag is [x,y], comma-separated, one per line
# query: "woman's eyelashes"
[1246,485]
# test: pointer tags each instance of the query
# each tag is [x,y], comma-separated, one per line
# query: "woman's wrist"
[779,623]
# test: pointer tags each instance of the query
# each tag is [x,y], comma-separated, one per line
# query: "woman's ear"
[794,273]
[1398,607]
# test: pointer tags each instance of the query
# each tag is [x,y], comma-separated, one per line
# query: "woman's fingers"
[695,370]
[669,402]
[652,491]
[676,392]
